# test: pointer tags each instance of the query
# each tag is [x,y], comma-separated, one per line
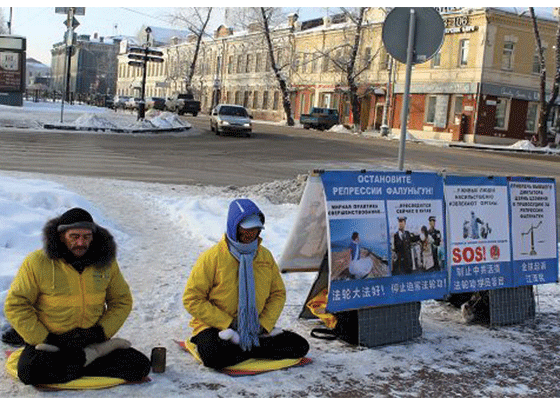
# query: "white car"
[231,118]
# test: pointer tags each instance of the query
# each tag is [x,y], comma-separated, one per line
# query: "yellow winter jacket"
[211,295]
[49,295]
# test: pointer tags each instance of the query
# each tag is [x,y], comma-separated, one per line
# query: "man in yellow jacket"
[67,301]
[235,295]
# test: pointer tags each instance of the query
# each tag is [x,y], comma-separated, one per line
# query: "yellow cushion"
[252,365]
[85,382]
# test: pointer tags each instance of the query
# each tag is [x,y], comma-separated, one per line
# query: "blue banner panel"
[479,233]
[533,230]
[387,238]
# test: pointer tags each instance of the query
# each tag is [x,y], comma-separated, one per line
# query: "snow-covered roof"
[540,12]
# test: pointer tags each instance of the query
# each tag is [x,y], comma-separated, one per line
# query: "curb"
[496,148]
[118,130]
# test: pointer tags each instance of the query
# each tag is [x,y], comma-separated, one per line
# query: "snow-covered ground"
[161,229]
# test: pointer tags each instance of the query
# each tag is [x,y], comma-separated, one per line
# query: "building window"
[314,64]
[463,52]
[304,63]
[456,110]
[367,58]
[502,113]
[436,60]
[230,65]
[265,100]
[458,105]
[532,117]
[239,64]
[325,64]
[258,62]
[276,102]
[237,97]
[249,62]
[537,61]
[507,56]
[255,100]
[430,113]
[246,99]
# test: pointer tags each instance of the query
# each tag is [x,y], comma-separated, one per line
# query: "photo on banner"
[371,262]
[533,230]
[479,233]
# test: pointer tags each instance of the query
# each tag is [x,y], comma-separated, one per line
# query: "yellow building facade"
[481,86]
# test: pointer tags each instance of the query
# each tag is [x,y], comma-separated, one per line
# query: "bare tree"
[546,106]
[3,23]
[267,14]
[195,19]
[265,20]
[345,58]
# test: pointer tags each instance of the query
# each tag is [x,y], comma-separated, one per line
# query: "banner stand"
[382,242]
[510,306]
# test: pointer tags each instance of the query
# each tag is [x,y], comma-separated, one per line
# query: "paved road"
[272,153]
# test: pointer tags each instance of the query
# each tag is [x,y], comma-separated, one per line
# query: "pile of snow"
[168,120]
[523,145]
[94,121]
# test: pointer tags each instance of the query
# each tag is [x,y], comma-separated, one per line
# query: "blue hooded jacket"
[239,209]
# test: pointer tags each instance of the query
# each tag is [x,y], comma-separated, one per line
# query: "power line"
[144,14]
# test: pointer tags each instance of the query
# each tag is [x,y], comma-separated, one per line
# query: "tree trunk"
[286,102]
[541,130]
[350,73]
[199,34]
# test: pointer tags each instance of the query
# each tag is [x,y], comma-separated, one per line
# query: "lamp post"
[141,106]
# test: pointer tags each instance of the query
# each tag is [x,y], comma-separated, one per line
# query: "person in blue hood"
[235,295]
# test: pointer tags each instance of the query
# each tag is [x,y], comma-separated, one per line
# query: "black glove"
[77,338]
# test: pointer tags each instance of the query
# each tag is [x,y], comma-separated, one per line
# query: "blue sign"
[533,234]
[479,233]
[387,238]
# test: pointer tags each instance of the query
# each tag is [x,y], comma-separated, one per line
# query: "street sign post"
[412,35]
[139,57]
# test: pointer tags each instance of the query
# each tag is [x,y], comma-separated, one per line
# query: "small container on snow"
[158,359]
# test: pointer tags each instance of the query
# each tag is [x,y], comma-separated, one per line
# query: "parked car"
[183,103]
[120,101]
[231,118]
[132,103]
[157,103]
[108,101]
[319,118]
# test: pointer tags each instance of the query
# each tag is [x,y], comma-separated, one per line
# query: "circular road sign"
[428,36]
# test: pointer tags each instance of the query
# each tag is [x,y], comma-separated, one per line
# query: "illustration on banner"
[417,245]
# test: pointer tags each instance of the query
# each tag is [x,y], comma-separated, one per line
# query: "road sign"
[155,59]
[133,49]
[64,10]
[428,35]
[73,25]
[134,56]
[136,63]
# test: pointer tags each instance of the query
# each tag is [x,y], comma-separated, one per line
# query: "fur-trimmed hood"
[102,250]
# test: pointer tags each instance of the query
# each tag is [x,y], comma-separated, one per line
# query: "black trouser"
[217,353]
[39,367]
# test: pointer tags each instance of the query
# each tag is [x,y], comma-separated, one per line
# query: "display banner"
[479,233]
[533,230]
[386,238]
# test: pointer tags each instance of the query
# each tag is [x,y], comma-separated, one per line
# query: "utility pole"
[71,24]
[10,22]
